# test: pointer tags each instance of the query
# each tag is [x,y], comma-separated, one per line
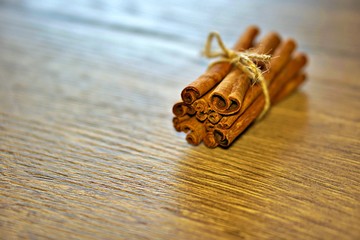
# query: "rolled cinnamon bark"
[189,124]
[224,137]
[181,109]
[214,117]
[209,140]
[197,133]
[282,56]
[209,126]
[246,40]
[201,116]
[191,111]
[217,71]
[201,107]
[178,120]
[228,96]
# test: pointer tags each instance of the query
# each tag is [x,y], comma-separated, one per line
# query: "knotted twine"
[246,61]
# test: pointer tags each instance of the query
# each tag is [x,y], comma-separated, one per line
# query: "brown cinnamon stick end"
[246,39]
[201,116]
[177,122]
[283,53]
[179,109]
[193,138]
[189,95]
[253,29]
[291,43]
[220,138]
[301,58]
[209,140]
[269,43]
[218,102]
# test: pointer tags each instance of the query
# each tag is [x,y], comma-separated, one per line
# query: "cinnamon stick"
[178,120]
[225,137]
[282,55]
[209,140]
[188,125]
[219,120]
[180,109]
[217,71]
[228,96]
[209,126]
[214,117]
[196,134]
[201,116]
[201,107]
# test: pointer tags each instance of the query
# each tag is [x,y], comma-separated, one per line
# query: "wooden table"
[87,146]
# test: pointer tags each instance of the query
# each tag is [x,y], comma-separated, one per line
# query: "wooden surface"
[87,146]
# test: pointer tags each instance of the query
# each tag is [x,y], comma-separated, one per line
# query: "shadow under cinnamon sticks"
[292,134]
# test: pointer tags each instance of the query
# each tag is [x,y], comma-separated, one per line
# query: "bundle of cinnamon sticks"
[220,104]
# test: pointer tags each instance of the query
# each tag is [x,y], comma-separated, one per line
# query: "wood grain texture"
[87,148]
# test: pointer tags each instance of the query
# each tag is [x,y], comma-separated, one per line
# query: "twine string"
[246,61]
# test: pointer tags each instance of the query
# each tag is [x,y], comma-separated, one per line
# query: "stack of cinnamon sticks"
[220,104]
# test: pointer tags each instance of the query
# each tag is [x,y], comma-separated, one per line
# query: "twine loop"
[246,61]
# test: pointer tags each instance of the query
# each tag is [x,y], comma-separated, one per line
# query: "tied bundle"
[238,88]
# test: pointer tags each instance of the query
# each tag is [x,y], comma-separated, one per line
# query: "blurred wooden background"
[87,148]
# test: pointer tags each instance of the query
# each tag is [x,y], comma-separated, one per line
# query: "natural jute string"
[243,60]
